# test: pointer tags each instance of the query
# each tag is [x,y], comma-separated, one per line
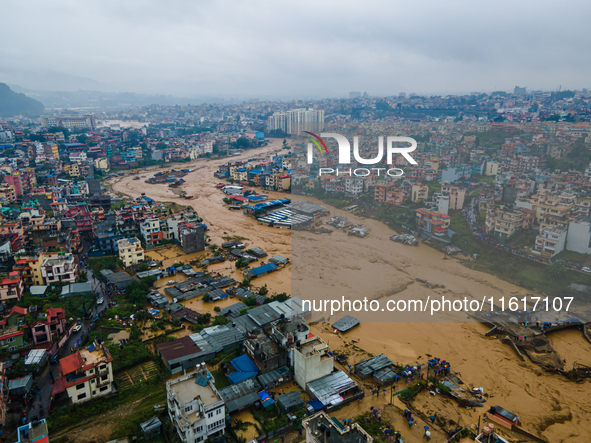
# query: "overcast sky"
[296,48]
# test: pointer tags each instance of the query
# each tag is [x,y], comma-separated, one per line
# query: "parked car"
[54,358]
[78,327]
[171,282]
[100,301]
[585,269]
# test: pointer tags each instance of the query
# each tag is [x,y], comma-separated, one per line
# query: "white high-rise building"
[296,121]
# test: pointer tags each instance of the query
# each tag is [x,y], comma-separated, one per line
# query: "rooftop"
[187,389]
[312,346]
[321,423]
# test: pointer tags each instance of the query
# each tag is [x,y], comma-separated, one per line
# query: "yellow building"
[101,163]
[418,193]
[130,251]
[73,170]
[282,182]
[492,168]
[55,151]
[7,193]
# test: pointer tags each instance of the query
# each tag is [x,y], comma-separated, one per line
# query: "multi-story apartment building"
[553,213]
[579,236]
[86,374]
[47,331]
[419,193]
[311,360]
[282,182]
[192,237]
[456,196]
[195,407]
[12,287]
[354,185]
[507,222]
[432,222]
[130,251]
[296,121]
[70,121]
[150,230]
[491,168]
[62,268]
[12,329]
[7,193]
[550,241]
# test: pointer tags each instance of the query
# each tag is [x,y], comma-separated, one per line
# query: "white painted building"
[195,406]
[550,240]
[354,185]
[86,374]
[579,236]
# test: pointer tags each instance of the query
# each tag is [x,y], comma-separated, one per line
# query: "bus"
[351,208]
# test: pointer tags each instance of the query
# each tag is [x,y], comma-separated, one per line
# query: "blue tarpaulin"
[266,399]
[316,404]
[244,364]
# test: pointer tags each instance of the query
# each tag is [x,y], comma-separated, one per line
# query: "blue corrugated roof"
[237,377]
[262,269]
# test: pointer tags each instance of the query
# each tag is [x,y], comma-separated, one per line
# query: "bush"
[220,320]
[241,263]
[264,290]
[217,309]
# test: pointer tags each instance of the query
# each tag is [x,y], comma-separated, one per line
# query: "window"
[80,386]
[10,339]
[13,348]
[104,388]
[189,408]
[210,415]
[81,396]
[104,377]
[218,412]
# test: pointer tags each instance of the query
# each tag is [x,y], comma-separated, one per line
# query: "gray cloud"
[270,48]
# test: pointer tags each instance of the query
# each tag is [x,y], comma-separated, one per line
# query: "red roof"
[58,387]
[71,363]
[18,310]
[440,229]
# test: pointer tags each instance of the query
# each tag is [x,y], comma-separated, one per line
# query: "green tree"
[204,319]
[557,270]
[264,290]
[243,311]
[206,297]
[217,309]
[243,143]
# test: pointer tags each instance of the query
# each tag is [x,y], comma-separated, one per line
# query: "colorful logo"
[316,142]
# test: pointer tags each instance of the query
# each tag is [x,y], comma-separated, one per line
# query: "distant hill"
[12,103]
